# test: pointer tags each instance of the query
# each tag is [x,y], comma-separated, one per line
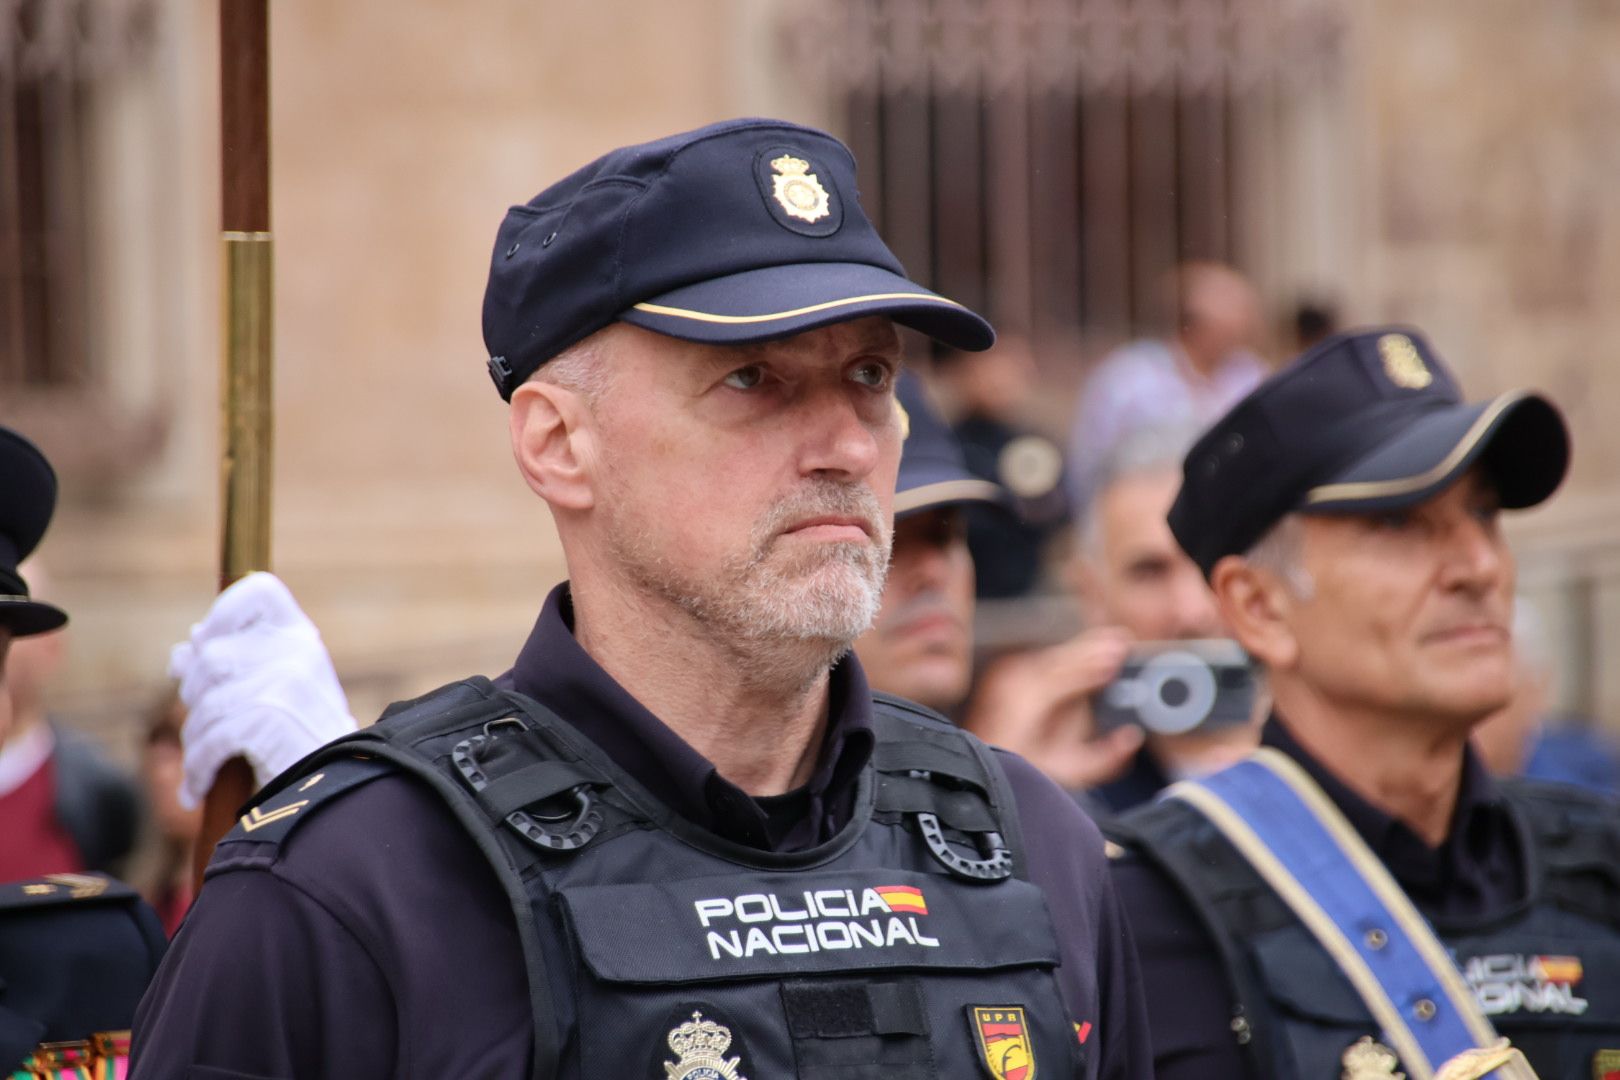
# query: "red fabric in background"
[33,842]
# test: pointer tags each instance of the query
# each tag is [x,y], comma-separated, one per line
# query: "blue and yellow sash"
[1296,839]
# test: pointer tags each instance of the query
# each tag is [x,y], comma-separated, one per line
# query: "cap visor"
[779,301]
[25,618]
[1520,436]
[949,489]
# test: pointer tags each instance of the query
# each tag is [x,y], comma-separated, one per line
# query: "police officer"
[76,949]
[680,837]
[1359,898]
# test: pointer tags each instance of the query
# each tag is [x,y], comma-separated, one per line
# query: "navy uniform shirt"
[1479,868]
[378,943]
[1138,785]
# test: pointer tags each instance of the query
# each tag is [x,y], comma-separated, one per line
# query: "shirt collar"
[553,669]
[1481,835]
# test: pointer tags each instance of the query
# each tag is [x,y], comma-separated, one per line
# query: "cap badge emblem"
[1030,466]
[1368,1059]
[798,191]
[700,1046]
[1402,363]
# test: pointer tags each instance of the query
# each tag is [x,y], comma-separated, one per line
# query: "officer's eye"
[745,378]
[873,374]
[1392,519]
[1145,571]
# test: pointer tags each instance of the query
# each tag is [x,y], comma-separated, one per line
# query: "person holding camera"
[1359,898]
[1063,706]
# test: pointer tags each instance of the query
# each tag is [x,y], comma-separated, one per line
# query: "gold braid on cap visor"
[946,491]
[705,316]
[1377,489]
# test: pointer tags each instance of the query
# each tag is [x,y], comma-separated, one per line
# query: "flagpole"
[245,382]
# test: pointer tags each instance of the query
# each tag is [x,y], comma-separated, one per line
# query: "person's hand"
[258,683]
[1038,704]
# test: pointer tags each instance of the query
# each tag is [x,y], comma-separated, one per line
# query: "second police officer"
[1360,899]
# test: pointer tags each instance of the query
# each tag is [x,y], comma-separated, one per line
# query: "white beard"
[827,595]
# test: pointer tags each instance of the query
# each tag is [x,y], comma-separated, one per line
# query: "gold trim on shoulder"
[258,818]
[1377,489]
[80,886]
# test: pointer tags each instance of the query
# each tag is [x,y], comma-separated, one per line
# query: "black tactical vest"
[907,947]
[1546,970]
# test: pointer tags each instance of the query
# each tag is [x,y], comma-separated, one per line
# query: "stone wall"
[1487,150]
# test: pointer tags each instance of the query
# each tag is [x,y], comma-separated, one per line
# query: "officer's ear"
[1255,605]
[553,440]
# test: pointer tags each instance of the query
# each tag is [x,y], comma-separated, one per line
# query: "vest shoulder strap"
[433,738]
[1231,901]
[930,768]
[1574,841]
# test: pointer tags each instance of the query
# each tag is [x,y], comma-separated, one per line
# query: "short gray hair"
[1280,551]
[582,368]
[1146,451]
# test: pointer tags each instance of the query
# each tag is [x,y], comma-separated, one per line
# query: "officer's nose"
[1475,555]
[1195,612]
[840,434]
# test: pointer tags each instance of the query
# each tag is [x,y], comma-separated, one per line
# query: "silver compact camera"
[1173,687]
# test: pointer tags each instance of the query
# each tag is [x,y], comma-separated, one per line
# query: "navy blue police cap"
[933,473]
[27,500]
[739,232]
[1363,422]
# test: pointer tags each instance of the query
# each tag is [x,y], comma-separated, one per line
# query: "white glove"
[258,683]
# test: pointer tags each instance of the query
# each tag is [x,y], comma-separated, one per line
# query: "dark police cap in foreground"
[27,499]
[933,473]
[1363,422]
[738,232]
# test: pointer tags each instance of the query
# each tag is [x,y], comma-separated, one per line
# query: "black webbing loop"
[530,785]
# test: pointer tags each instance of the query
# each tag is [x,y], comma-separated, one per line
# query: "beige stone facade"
[1453,168]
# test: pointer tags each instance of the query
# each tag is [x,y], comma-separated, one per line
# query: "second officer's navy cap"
[933,473]
[27,500]
[738,232]
[1363,422]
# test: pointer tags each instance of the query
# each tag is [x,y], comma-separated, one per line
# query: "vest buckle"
[567,829]
[994,862]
